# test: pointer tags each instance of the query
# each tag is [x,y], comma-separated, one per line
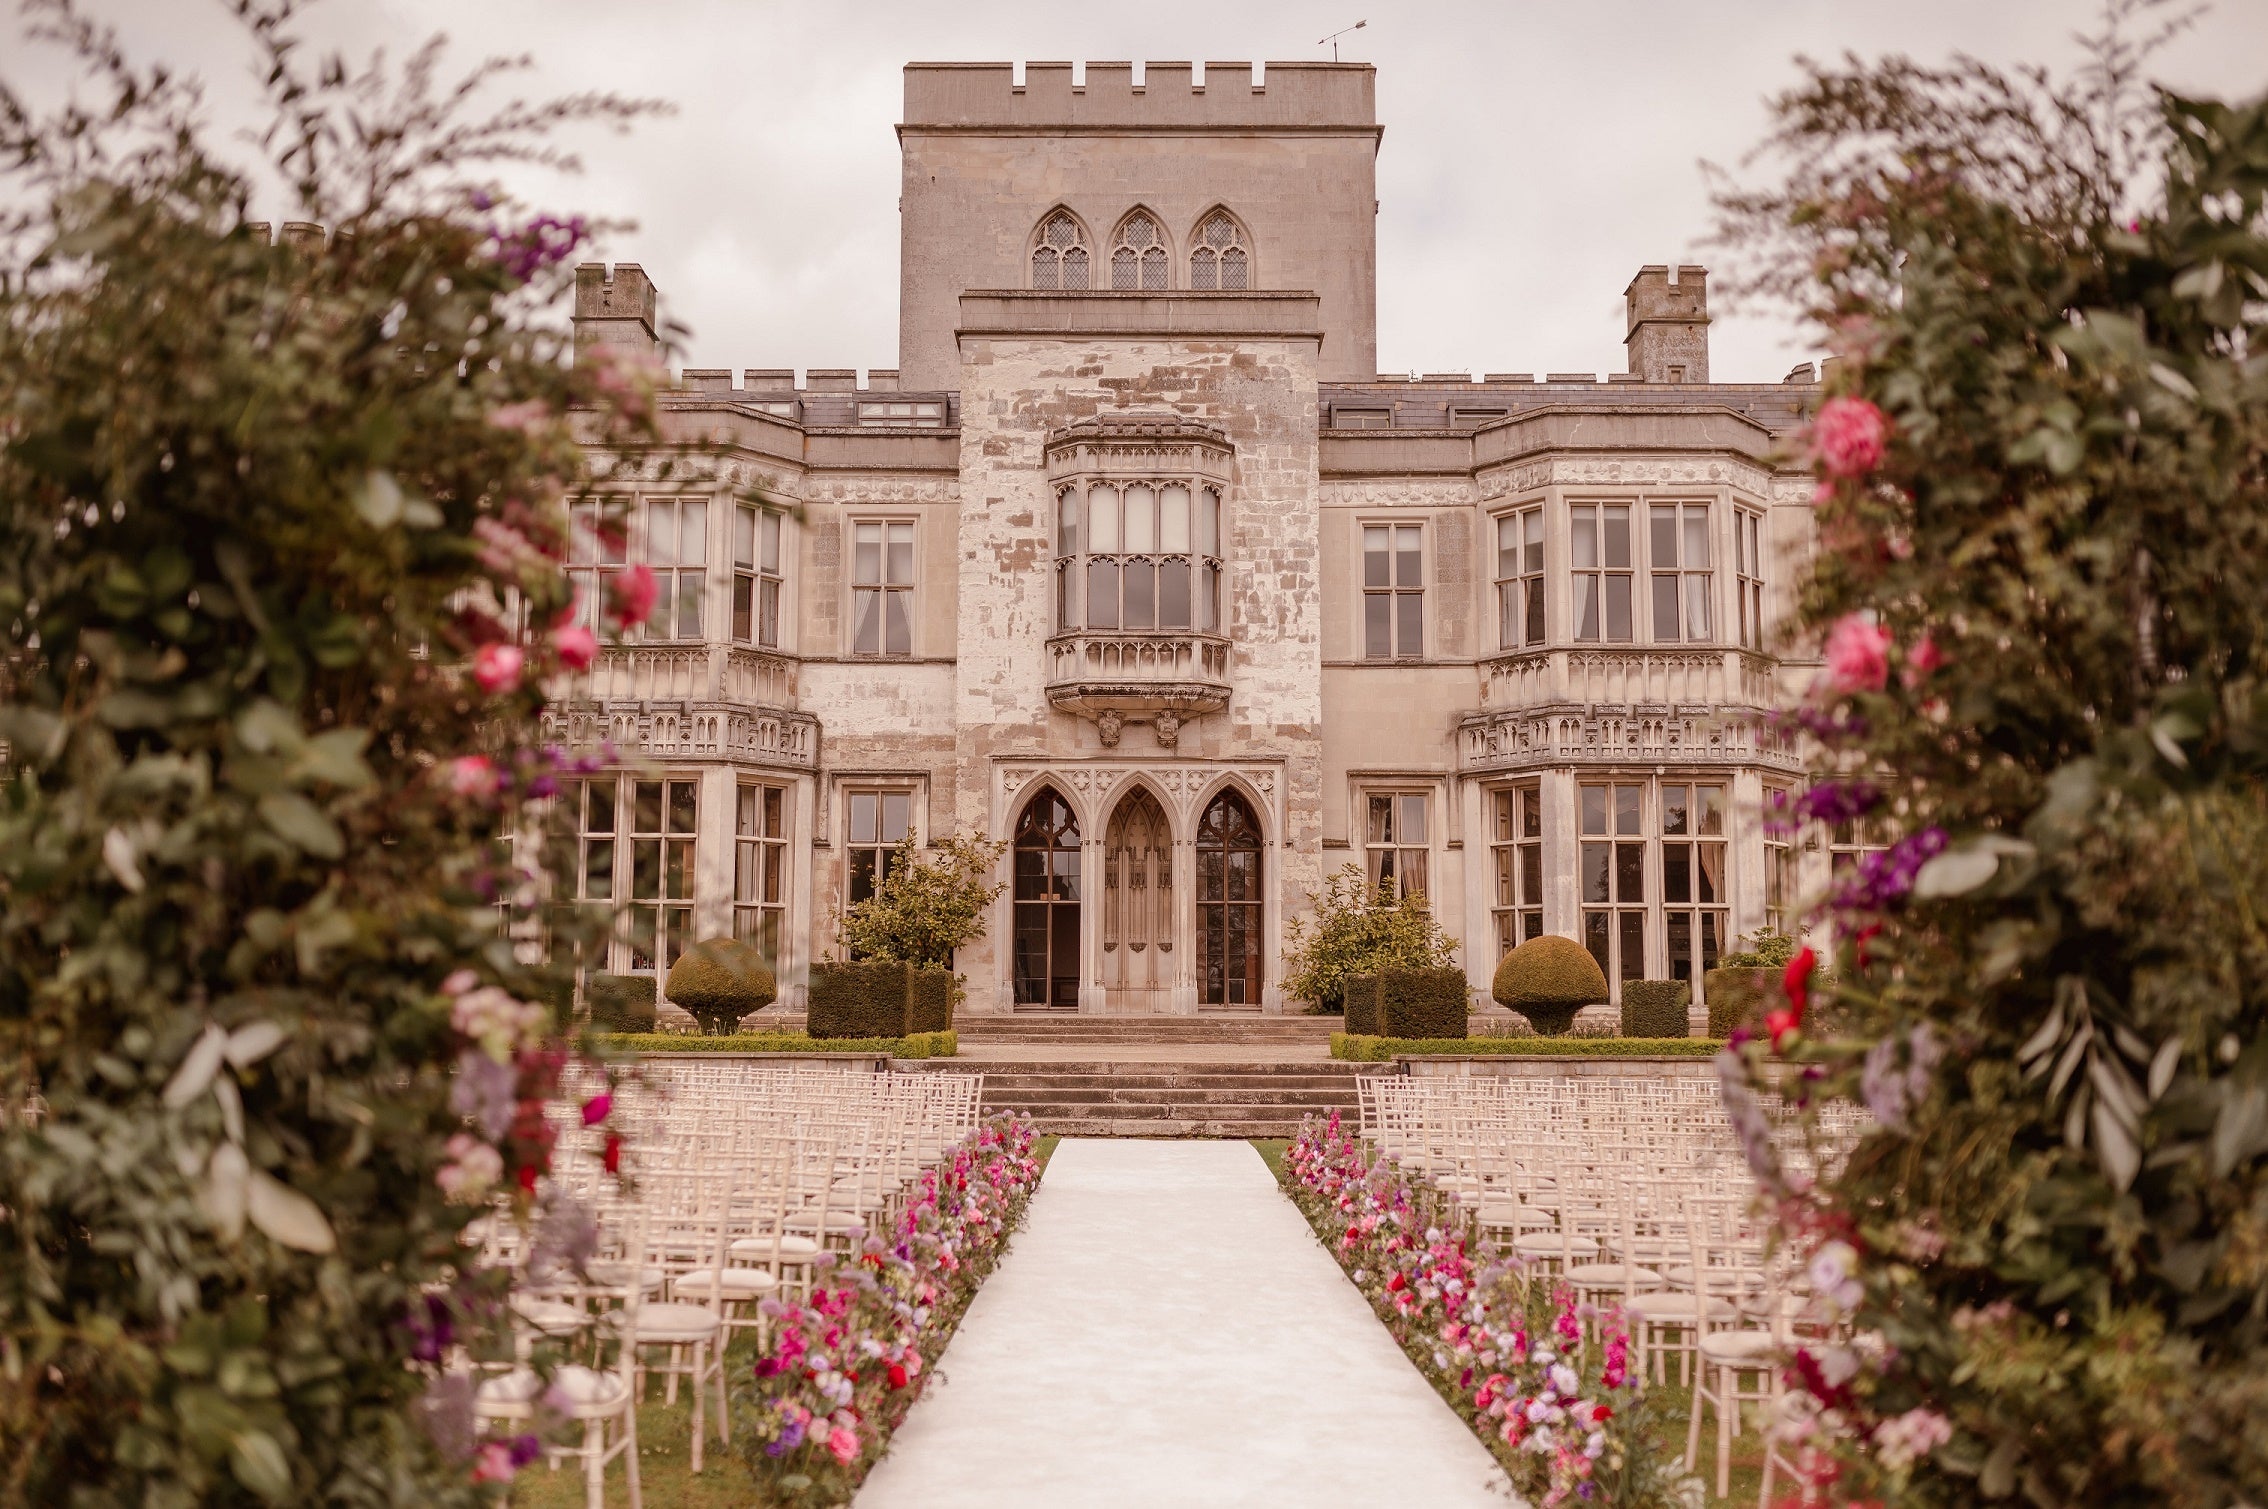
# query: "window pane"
[1664,537]
[1587,606]
[1710,800]
[1209,598]
[1626,809]
[1173,518]
[1209,524]
[1173,594]
[689,585]
[1697,606]
[1595,877]
[1141,594]
[899,623]
[744,811]
[1712,941]
[693,536]
[768,617]
[1674,800]
[1502,812]
[1377,563]
[1531,812]
[661,533]
[598,870]
[1618,607]
[1409,557]
[1677,873]
[771,560]
[866,554]
[1681,946]
[1618,537]
[1594,809]
[901,555]
[1067,522]
[646,807]
[775,812]
[743,608]
[1534,539]
[1633,945]
[1381,820]
[1508,545]
[897,811]
[863,809]
[775,856]
[1409,629]
[1141,519]
[1531,874]
[1583,537]
[1709,880]
[1413,871]
[1504,896]
[866,621]
[1102,594]
[1696,537]
[645,869]
[1598,938]
[1413,819]
[1378,625]
[599,816]
[1102,519]
[678,870]
[1629,873]
[1665,605]
[684,807]
[1507,613]
[744,536]
[1535,627]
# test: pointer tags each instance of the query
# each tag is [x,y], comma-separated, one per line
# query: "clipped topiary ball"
[1547,980]
[720,980]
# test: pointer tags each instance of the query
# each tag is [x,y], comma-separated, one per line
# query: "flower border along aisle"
[1567,1421]
[839,1371]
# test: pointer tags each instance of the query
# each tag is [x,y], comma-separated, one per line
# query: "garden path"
[1166,1332]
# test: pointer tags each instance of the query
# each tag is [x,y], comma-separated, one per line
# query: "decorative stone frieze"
[1492,743]
[675,701]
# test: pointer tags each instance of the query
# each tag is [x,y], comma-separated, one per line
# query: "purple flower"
[525,1449]
[432,1328]
[1828,802]
[1891,1092]
[1885,877]
[484,1090]
[543,242]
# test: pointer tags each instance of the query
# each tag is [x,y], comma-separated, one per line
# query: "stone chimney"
[1669,324]
[615,307]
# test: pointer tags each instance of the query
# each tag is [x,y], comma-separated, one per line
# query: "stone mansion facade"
[1138,564]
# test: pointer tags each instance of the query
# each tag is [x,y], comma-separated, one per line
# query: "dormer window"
[1138,261]
[1059,253]
[1219,260]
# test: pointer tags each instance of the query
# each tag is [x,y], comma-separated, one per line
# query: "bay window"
[1140,556]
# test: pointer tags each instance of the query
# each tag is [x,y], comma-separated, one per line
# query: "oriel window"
[1599,563]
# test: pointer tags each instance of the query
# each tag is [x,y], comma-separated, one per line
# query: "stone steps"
[1135,1098]
[1256,1030]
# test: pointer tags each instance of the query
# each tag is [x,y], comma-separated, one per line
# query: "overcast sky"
[1535,155]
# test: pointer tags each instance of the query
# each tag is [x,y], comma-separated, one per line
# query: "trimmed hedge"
[1655,1008]
[720,980]
[1421,1003]
[621,1003]
[919,1045]
[1359,1000]
[1548,979]
[1359,1049]
[1737,997]
[930,1006]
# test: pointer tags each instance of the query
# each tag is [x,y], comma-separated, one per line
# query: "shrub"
[2039,585]
[1592,1027]
[1357,931]
[931,1007]
[924,909]
[1737,997]
[1771,951]
[915,1045]
[1356,1048]
[1548,979]
[1421,1002]
[1359,1000]
[1516,1025]
[264,722]
[865,998]
[720,980]
[620,1003]
[1655,1008]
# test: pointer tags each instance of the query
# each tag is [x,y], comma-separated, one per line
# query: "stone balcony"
[711,701]
[1162,678]
[1624,707]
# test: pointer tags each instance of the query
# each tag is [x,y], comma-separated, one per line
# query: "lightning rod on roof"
[1333,39]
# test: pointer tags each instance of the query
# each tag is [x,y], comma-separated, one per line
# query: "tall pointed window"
[1059,253]
[1230,907]
[1219,260]
[1138,261]
[1045,949]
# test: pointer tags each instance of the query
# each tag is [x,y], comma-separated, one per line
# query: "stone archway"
[1139,917]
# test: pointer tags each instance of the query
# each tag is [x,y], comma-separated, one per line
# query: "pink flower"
[497,667]
[1922,659]
[633,593]
[1858,655]
[1847,438]
[596,1108]
[576,645]
[474,776]
[494,1464]
[843,1443]
[520,416]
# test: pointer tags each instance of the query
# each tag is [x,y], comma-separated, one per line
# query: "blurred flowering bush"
[1568,1421]
[2044,520]
[840,1369]
[280,539]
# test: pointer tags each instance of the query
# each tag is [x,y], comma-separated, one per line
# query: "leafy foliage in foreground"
[2043,606]
[253,500]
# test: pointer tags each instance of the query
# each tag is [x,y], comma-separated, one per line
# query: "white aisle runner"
[1166,1334]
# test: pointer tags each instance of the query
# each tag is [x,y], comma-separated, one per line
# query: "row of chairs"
[1632,1193]
[739,1175]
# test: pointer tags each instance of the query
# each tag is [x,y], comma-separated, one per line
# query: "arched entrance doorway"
[1229,905]
[1046,906]
[1138,911]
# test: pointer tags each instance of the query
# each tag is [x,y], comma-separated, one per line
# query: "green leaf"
[287,1216]
[267,726]
[378,498]
[258,1463]
[335,757]
[301,823]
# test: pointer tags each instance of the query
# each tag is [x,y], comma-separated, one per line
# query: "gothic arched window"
[1138,261]
[1218,258]
[1059,253]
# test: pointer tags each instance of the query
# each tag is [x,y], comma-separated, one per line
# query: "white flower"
[1832,1271]
[1564,1379]
[1902,1440]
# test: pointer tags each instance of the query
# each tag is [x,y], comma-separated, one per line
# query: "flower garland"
[1566,1420]
[840,1370]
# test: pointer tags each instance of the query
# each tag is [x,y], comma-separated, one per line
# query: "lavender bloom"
[565,1238]
[432,1328]
[1751,1128]
[484,1090]
[1885,878]
[545,241]
[1891,1092]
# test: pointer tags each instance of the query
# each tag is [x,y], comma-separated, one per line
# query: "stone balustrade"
[1630,678]
[1158,677]
[664,701]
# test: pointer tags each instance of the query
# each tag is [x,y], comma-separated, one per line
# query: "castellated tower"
[1668,310]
